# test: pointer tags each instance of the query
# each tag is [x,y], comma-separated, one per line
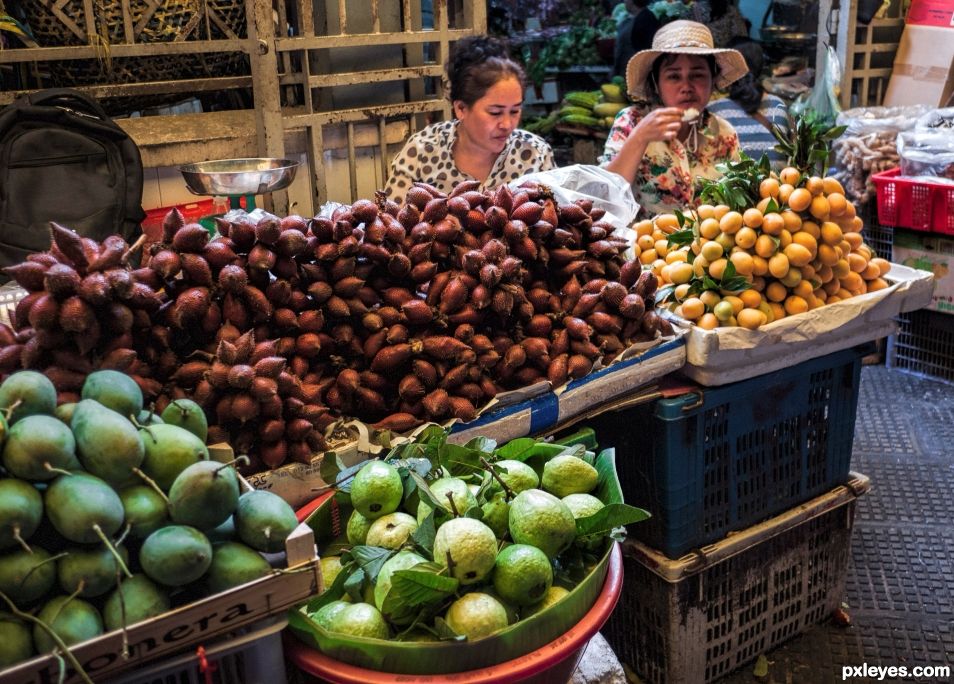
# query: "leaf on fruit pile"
[371,558]
[423,536]
[425,494]
[516,449]
[445,633]
[482,444]
[610,516]
[422,585]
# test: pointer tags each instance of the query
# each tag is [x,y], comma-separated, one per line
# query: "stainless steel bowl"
[239,176]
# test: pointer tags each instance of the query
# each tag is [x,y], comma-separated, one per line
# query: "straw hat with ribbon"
[688,38]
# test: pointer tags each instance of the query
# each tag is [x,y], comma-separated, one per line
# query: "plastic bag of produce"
[927,153]
[936,119]
[868,145]
[607,190]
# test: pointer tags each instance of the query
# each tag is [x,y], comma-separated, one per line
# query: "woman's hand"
[659,125]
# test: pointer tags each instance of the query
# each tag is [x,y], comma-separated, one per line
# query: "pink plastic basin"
[549,664]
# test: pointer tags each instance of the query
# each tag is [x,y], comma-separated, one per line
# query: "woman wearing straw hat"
[661,148]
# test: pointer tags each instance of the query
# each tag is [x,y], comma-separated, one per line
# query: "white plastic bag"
[927,153]
[608,191]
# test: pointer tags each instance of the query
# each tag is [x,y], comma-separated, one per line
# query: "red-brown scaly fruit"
[69,244]
[444,347]
[171,223]
[462,409]
[308,345]
[437,404]
[578,366]
[61,281]
[189,373]
[455,377]
[76,315]
[364,211]
[397,334]
[434,210]
[605,323]
[419,197]
[528,213]
[632,306]
[558,370]
[398,422]
[29,274]
[539,325]
[425,372]
[45,312]
[646,284]
[388,359]
[417,312]
[269,367]
[190,238]
[267,230]
[291,243]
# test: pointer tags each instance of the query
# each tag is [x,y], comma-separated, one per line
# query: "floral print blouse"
[665,177]
[428,156]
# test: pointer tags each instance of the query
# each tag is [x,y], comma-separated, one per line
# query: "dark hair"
[476,64]
[666,59]
[747,91]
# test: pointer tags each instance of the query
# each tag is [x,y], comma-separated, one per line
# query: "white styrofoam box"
[724,355]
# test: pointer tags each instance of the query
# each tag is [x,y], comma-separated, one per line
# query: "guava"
[522,574]
[476,615]
[376,490]
[468,547]
[542,520]
[563,475]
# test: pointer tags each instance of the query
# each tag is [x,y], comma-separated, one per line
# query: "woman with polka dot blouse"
[482,142]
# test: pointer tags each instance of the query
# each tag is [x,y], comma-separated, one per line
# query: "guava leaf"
[516,449]
[425,494]
[421,466]
[330,467]
[423,536]
[371,558]
[610,516]
[353,584]
[346,477]
[460,460]
[486,482]
[334,592]
[484,444]
[445,633]
[418,586]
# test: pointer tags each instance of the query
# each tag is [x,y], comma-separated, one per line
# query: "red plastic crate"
[915,204]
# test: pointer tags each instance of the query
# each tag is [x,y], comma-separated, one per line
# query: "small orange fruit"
[790,175]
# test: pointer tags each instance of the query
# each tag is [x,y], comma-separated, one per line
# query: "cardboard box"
[922,71]
[190,625]
[929,253]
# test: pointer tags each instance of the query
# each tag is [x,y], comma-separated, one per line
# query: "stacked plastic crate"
[921,214]
[752,501]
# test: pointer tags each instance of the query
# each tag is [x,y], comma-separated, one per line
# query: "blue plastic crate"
[721,459]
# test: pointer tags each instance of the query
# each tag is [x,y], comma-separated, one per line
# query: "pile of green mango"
[110,514]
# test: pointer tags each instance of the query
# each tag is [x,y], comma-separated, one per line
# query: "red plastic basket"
[916,204]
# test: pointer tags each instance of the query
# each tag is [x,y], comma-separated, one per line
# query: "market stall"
[460,435]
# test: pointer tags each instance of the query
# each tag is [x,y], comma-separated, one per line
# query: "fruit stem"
[453,506]
[152,483]
[450,563]
[244,459]
[21,540]
[54,469]
[11,408]
[74,663]
[507,491]
[51,559]
[132,248]
[112,549]
[122,611]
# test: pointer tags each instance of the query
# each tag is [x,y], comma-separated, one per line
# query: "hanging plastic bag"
[823,97]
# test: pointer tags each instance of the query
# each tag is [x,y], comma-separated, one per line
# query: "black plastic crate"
[924,345]
[721,459]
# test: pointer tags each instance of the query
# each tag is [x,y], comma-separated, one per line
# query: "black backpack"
[63,159]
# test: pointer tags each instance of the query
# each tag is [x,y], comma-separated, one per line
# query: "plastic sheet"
[608,191]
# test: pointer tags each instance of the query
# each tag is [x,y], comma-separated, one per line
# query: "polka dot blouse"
[428,156]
